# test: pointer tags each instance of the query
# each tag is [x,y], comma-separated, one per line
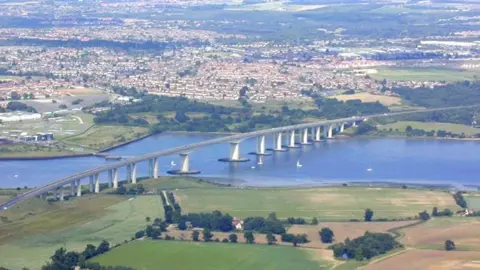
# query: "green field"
[101,136]
[39,228]
[423,74]
[333,203]
[428,126]
[187,255]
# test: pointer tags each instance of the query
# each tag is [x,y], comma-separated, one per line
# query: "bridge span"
[309,133]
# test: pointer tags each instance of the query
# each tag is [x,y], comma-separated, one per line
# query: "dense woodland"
[366,246]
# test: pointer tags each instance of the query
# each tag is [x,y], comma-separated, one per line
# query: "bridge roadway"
[190,147]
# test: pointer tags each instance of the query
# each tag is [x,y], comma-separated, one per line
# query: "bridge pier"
[260,147]
[305,137]
[115,178]
[277,140]
[72,188]
[342,127]
[110,178]
[62,195]
[318,134]
[90,184]
[79,188]
[150,168]
[291,141]
[134,173]
[97,183]
[234,154]
[155,167]
[184,166]
[129,173]
[354,124]
[330,132]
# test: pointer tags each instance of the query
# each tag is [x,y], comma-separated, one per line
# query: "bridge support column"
[129,173]
[291,142]
[305,136]
[330,132]
[342,127]
[155,168]
[354,124]
[277,146]
[90,184]
[115,178]
[72,188]
[234,154]
[97,183]
[134,173]
[110,178]
[61,189]
[318,134]
[184,166]
[260,147]
[43,196]
[79,188]
[150,168]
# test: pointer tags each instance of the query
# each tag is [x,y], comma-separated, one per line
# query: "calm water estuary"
[334,161]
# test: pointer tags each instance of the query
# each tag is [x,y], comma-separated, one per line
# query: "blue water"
[390,160]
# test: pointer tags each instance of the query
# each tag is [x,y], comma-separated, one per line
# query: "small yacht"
[173,164]
[369,169]
[298,164]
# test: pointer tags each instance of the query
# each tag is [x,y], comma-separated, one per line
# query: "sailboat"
[369,169]
[260,162]
[298,164]
[173,164]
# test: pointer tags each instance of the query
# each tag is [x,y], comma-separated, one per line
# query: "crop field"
[189,255]
[427,126]
[465,232]
[423,74]
[342,230]
[429,259]
[329,204]
[276,6]
[102,136]
[367,97]
[37,229]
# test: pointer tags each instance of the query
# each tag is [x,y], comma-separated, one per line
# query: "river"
[335,161]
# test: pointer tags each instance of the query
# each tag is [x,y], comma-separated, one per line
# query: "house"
[237,224]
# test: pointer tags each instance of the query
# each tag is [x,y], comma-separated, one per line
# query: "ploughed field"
[180,255]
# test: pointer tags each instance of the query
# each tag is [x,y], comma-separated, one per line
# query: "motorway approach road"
[191,147]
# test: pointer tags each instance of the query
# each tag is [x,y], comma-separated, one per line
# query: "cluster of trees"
[153,230]
[366,246]
[295,239]
[133,190]
[368,216]
[212,221]
[77,101]
[326,235]
[63,260]
[445,213]
[449,245]
[455,94]
[299,220]
[264,225]
[414,132]
[19,106]
[459,199]
[424,215]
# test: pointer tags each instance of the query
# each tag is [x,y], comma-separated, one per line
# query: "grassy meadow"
[427,126]
[188,255]
[424,74]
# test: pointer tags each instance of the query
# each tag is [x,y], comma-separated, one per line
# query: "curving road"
[190,147]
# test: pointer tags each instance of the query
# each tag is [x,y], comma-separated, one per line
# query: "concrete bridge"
[283,138]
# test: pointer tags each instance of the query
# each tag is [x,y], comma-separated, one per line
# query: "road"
[190,147]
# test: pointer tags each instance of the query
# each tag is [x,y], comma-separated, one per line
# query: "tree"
[103,247]
[435,212]
[271,238]
[195,236]
[147,219]
[359,254]
[449,245]
[90,251]
[326,235]
[139,235]
[295,241]
[207,235]
[368,215]
[314,221]
[424,215]
[224,240]
[182,224]
[249,237]
[272,216]
[233,238]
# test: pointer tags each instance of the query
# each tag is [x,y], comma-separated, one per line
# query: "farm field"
[102,136]
[464,232]
[427,126]
[367,97]
[342,230]
[429,259]
[38,228]
[328,204]
[423,74]
[150,254]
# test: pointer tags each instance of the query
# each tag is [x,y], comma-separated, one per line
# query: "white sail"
[173,164]
[298,164]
